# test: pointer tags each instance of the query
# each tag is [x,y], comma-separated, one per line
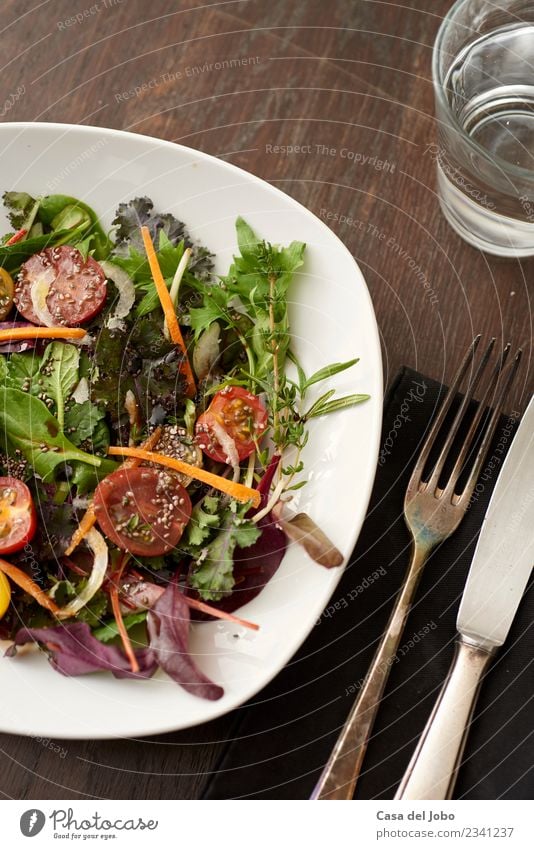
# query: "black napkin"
[280,740]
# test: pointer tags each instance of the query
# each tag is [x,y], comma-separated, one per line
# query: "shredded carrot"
[89,518]
[115,606]
[16,333]
[25,583]
[220,614]
[87,522]
[16,237]
[168,309]
[235,490]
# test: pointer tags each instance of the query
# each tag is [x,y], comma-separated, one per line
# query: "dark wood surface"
[349,80]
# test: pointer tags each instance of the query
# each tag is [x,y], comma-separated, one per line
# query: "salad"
[152,422]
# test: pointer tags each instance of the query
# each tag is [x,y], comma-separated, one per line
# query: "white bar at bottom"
[264,824]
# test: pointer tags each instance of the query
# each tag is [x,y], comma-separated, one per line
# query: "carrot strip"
[235,490]
[220,614]
[25,583]
[115,606]
[168,309]
[89,518]
[86,523]
[16,237]
[17,333]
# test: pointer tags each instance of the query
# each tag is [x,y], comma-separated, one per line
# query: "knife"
[499,573]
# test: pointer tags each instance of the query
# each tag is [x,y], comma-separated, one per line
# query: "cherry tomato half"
[242,417]
[18,519]
[142,510]
[77,287]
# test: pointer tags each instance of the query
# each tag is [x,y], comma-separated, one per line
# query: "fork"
[432,510]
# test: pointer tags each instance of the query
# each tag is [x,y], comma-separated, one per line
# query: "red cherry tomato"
[18,519]
[142,510]
[77,287]
[236,414]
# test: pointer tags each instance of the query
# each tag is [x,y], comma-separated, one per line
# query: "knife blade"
[504,555]
[499,573]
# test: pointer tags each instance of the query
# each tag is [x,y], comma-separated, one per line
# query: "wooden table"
[331,102]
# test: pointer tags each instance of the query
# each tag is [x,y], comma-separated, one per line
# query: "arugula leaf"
[216,307]
[59,374]
[27,424]
[213,573]
[247,240]
[136,265]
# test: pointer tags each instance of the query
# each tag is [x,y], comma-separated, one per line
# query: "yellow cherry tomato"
[5,594]
[7,290]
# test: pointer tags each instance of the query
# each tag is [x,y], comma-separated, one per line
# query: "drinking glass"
[483,72]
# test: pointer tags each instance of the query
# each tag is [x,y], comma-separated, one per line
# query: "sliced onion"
[226,442]
[97,544]
[81,392]
[175,285]
[126,290]
[39,293]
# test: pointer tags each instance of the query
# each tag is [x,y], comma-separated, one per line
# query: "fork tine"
[490,430]
[443,410]
[483,403]
[432,483]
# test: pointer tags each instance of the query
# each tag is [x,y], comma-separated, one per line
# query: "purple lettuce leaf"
[168,630]
[20,345]
[73,650]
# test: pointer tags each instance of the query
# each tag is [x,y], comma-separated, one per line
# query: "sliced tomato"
[233,414]
[76,287]
[142,510]
[18,519]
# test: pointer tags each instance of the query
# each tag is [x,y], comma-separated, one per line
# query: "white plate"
[332,320]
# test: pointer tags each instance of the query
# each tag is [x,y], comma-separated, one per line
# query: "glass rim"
[439,93]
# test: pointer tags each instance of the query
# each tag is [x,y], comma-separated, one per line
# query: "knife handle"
[431,773]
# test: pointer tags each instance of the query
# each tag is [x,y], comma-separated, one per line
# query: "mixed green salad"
[152,421]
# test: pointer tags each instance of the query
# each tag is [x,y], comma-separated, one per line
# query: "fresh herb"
[212,574]
[257,285]
[204,518]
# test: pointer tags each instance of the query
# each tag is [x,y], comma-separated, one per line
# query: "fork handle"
[432,771]
[341,772]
